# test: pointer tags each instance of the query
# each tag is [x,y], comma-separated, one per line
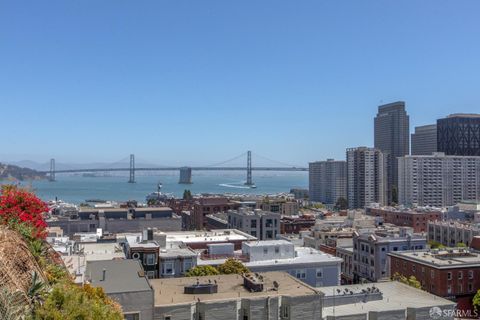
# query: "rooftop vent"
[201,288]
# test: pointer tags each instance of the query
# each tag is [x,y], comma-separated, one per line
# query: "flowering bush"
[24,210]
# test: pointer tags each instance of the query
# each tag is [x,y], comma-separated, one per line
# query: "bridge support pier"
[132,169]
[52,170]
[249,170]
[185,175]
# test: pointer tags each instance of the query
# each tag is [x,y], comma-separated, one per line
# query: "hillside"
[12,172]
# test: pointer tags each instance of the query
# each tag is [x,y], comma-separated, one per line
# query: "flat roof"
[120,276]
[449,258]
[230,287]
[206,236]
[396,296]
[265,243]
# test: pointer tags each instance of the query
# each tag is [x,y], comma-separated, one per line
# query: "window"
[132,316]
[470,274]
[395,249]
[151,274]
[432,274]
[269,234]
[319,273]
[253,223]
[414,268]
[149,259]
[187,265]
[470,287]
[277,249]
[449,289]
[460,275]
[460,288]
[265,250]
[449,276]
[285,312]
[253,233]
[167,268]
[301,274]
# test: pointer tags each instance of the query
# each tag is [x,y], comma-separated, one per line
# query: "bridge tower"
[249,170]
[52,170]
[132,169]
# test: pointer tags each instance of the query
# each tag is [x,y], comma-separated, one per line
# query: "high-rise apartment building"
[327,181]
[366,177]
[392,137]
[438,180]
[459,135]
[424,140]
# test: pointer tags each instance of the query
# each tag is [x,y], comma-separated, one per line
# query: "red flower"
[24,207]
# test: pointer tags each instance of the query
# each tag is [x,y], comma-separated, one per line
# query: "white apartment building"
[438,180]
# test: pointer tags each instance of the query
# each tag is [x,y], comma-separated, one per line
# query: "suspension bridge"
[185,171]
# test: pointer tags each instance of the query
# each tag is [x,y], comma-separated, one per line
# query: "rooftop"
[208,236]
[447,258]
[396,296]
[266,243]
[171,291]
[120,276]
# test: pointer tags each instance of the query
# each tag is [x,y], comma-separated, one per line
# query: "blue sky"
[197,82]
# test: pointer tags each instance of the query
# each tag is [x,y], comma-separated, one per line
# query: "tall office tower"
[327,181]
[424,140]
[459,134]
[392,137]
[438,180]
[366,177]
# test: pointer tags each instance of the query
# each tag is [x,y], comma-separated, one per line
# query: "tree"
[342,204]
[435,244]
[201,271]
[461,245]
[476,301]
[411,281]
[232,266]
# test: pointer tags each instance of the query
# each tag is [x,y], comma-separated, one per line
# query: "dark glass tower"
[392,137]
[459,135]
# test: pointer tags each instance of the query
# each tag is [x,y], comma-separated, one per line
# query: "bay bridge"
[185,171]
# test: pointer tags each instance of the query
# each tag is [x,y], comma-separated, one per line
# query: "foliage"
[411,281]
[232,266]
[187,195]
[476,301]
[461,245]
[37,291]
[12,305]
[70,302]
[341,204]
[22,210]
[435,244]
[200,271]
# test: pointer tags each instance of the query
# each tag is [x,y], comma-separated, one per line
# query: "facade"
[424,140]
[453,274]
[205,206]
[282,206]
[260,224]
[296,224]
[417,219]
[438,180]
[266,296]
[124,282]
[392,137]
[327,181]
[308,265]
[366,177]
[459,135]
[451,233]
[370,252]
[346,254]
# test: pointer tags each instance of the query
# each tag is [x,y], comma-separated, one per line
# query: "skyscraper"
[459,134]
[392,137]
[366,177]
[424,140]
[438,180]
[327,181]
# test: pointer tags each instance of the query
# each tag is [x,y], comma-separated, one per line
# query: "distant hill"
[11,172]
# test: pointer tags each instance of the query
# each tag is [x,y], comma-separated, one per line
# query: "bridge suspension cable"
[226,161]
[274,161]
